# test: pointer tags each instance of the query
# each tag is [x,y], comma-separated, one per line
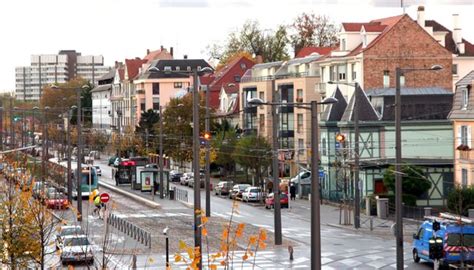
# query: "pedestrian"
[98,203]
[292,191]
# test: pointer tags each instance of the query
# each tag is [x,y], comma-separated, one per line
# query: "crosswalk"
[263,260]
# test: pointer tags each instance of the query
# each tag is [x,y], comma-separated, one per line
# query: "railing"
[256,79]
[181,195]
[140,235]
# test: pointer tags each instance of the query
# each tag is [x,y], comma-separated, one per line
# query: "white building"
[101,105]
[47,69]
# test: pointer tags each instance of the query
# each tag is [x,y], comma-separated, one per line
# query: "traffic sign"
[104,197]
[321,174]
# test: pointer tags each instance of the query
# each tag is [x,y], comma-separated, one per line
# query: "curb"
[130,195]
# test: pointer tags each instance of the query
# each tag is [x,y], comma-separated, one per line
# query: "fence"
[140,235]
[181,195]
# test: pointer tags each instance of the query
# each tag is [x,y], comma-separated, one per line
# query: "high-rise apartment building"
[56,68]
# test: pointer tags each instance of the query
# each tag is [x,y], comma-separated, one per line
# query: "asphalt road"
[341,248]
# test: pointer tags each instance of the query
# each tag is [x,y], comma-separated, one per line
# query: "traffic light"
[436,226]
[207,136]
[340,138]
[436,248]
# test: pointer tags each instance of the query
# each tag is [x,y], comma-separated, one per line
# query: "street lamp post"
[398,159]
[196,151]
[68,139]
[315,196]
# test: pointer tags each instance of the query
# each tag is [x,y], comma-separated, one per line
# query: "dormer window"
[364,40]
[465,97]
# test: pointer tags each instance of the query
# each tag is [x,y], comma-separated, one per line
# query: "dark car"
[112,160]
[175,176]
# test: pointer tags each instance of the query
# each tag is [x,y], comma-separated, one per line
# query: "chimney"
[116,64]
[147,51]
[457,35]
[259,59]
[171,51]
[161,47]
[185,56]
[421,16]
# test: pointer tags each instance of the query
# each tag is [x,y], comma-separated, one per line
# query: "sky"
[119,29]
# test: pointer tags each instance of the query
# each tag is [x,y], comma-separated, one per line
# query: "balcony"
[246,79]
[252,110]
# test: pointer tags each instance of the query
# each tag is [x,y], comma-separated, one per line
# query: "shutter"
[459,136]
[469,136]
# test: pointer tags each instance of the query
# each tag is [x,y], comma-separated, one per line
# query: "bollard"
[290,251]
[371,223]
[134,262]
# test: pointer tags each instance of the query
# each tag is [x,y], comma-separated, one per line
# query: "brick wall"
[407,45]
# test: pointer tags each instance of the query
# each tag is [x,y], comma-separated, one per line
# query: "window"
[261,120]
[237,78]
[354,73]
[301,147]
[465,97]
[343,44]
[455,69]
[464,177]
[261,95]
[243,66]
[142,107]
[323,70]
[364,40]
[299,95]
[465,135]
[341,70]
[299,124]
[386,78]
[323,147]
[402,80]
[156,88]
[178,85]
[332,73]
[156,104]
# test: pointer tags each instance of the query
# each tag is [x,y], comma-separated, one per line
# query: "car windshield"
[243,187]
[76,241]
[71,231]
[254,190]
[454,239]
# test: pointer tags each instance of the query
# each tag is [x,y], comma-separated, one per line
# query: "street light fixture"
[398,159]
[315,200]
[196,153]
[356,153]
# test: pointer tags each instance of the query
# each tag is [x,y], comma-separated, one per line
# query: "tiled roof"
[100,88]
[466,80]
[133,66]
[335,111]
[108,76]
[365,108]
[230,88]
[458,112]
[374,27]
[176,65]
[158,54]
[448,39]
[354,27]
[389,22]
[309,50]
[121,73]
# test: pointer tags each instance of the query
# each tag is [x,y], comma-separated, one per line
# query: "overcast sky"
[119,29]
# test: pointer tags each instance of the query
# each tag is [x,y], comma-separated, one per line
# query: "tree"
[146,125]
[225,142]
[270,44]
[414,181]
[460,199]
[177,127]
[310,29]
[253,152]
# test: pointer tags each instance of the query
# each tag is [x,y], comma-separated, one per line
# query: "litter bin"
[171,193]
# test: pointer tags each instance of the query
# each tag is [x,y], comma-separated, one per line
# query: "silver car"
[76,248]
[67,231]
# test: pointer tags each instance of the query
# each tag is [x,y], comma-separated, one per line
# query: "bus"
[126,171]
[89,178]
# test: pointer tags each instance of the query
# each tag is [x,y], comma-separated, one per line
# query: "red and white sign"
[104,197]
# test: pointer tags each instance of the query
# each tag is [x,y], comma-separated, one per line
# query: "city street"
[341,248]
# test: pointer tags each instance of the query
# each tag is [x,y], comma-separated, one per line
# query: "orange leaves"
[204,231]
[253,240]
[240,230]
[262,235]
[225,233]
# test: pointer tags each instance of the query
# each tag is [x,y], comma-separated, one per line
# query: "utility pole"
[315,196]
[161,154]
[68,139]
[356,160]
[43,146]
[79,156]
[22,128]
[146,140]
[398,173]
[275,171]
[208,166]
[12,130]
[197,186]
[1,125]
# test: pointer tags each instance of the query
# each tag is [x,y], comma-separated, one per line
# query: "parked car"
[237,191]
[112,160]
[175,176]
[98,171]
[56,200]
[223,188]
[252,194]
[270,202]
[76,248]
[201,181]
[185,178]
[39,188]
[152,166]
[67,231]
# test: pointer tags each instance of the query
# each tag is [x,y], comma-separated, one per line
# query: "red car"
[269,203]
[56,200]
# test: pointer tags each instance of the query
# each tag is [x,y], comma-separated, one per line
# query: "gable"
[117,76]
[408,40]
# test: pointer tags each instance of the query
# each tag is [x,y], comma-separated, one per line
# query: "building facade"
[462,115]
[101,105]
[56,68]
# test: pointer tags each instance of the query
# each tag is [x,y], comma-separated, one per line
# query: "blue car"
[452,233]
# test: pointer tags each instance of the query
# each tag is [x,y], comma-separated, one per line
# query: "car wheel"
[416,258]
